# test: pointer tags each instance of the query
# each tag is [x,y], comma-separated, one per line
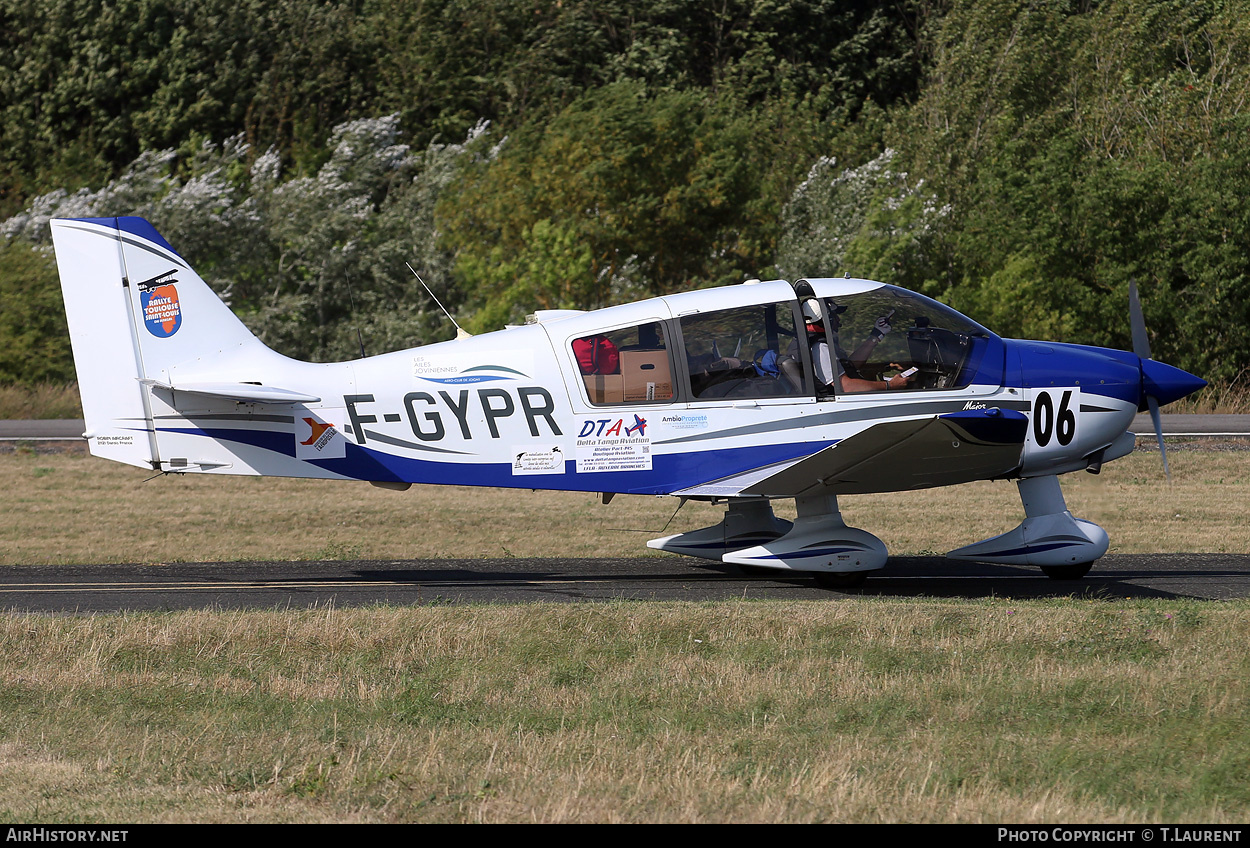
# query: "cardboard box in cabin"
[647,375]
[604,388]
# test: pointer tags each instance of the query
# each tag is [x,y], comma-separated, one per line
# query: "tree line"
[1020,161]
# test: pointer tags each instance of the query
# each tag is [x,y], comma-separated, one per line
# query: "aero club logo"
[162,313]
[316,437]
[321,434]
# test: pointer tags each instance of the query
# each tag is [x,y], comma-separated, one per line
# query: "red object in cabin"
[597,355]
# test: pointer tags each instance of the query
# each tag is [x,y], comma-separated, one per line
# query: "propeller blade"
[1158,422]
[1141,347]
[1141,344]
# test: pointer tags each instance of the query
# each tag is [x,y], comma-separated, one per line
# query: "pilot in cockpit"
[841,366]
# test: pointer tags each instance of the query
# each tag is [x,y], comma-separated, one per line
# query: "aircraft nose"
[1166,383]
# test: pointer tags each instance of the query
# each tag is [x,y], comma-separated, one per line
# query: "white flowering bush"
[306,261]
[869,221]
[136,190]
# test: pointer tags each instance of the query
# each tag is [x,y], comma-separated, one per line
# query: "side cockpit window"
[629,365]
[889,338]
[748,352]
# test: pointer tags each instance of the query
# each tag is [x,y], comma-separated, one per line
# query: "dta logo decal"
[605,444]
[162,313]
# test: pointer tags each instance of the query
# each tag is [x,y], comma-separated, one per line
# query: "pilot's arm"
[868,345]
[854,384]
[829,369]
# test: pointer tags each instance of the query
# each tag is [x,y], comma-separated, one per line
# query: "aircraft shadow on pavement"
[1202,576]
[1116,577]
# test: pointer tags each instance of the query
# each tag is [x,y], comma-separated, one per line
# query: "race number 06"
[1048,423]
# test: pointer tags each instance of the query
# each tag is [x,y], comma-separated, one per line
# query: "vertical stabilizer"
[139,316]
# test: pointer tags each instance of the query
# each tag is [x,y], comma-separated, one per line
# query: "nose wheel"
[1050,537]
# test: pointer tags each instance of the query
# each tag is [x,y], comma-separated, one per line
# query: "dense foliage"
[1022,161]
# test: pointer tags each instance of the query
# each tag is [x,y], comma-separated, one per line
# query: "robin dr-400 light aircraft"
[739,395]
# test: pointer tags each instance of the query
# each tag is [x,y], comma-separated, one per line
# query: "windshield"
[878,334]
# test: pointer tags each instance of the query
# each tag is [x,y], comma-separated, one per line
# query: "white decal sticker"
[548,459]
[318,434]
[1055,416]
[684,421]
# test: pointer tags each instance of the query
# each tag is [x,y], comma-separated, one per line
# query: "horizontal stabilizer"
[239,392]
[898,456]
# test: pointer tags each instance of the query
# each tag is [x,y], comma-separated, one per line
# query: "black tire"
[1067,572]
[840,579]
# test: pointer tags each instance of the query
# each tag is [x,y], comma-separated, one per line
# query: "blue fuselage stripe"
[669,472]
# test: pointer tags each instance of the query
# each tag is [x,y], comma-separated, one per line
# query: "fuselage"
[517,408]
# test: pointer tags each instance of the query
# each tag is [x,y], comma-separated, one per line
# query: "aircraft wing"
[895,456]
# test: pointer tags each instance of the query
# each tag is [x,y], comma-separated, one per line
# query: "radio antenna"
[460,333]
[355,319]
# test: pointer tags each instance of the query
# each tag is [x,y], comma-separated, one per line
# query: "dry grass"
[71,508]
[866,711]
[45,400]
[1228,398]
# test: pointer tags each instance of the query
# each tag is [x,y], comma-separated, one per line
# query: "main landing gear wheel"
[1049,536]
[817,542]
[1067,572]
[840,579]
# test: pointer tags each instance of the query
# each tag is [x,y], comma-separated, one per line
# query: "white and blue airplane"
[739,395]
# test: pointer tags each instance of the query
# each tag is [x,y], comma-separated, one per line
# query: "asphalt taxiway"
[270,585]
[302,585]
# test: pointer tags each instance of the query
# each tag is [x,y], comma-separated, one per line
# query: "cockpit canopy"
[878,330]
[756,341]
